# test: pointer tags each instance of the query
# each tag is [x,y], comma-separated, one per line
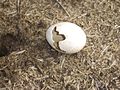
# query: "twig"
[17,53]
[105,49]
[63,7]
[18,7]
[63,60]
[18,16]
[79,16]
[78,86]
[4,67]
[116,27]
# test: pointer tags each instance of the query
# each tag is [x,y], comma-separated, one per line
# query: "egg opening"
[57,38]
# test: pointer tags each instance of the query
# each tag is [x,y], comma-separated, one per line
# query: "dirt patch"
[27,62]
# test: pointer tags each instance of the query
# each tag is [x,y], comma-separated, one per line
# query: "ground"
[27,62]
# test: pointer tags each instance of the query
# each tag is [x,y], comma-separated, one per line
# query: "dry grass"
[27,62]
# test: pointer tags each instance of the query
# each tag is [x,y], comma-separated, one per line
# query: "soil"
[27,62]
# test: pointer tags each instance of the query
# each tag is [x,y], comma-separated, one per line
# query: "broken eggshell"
[66,37]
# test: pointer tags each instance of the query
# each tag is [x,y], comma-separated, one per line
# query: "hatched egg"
[66,37]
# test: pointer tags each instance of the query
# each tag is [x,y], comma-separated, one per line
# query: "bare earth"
[27,62]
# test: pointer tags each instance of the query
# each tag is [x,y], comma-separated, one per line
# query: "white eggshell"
[75,37]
